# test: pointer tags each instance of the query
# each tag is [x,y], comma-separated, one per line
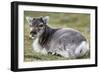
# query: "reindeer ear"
[45,19]
[29,20]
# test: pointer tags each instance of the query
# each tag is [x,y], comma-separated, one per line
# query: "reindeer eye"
[41,25]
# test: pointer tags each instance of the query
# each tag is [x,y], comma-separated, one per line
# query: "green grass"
[76,21]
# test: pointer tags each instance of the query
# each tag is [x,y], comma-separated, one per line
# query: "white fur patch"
[31,28]
[29,20]
[43,51]
[37,47]
[82,49]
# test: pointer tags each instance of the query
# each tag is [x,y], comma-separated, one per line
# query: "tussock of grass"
[76,21]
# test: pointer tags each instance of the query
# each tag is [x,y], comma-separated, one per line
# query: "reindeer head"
[37,25]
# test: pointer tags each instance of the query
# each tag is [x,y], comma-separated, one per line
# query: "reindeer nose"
[33,33]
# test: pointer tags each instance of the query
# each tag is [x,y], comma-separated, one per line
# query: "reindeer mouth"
[32,37]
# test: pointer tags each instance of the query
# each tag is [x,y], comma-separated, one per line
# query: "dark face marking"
[36,26]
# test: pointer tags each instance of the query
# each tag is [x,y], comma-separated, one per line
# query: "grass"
[76,21]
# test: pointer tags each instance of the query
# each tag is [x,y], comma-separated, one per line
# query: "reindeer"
[66,42]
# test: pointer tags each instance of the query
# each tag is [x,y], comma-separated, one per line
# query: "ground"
[78,21]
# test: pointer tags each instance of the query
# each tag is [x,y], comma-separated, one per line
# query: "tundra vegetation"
[78,21]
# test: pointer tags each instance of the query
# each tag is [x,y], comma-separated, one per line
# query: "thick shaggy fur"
[66,42]
[46,36]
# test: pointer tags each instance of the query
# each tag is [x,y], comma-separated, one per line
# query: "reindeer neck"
[46,36]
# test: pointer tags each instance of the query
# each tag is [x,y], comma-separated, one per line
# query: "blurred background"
[78,21]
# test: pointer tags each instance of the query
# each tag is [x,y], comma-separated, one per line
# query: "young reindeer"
[65,42]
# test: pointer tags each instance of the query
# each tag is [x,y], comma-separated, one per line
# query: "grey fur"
[66,42]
